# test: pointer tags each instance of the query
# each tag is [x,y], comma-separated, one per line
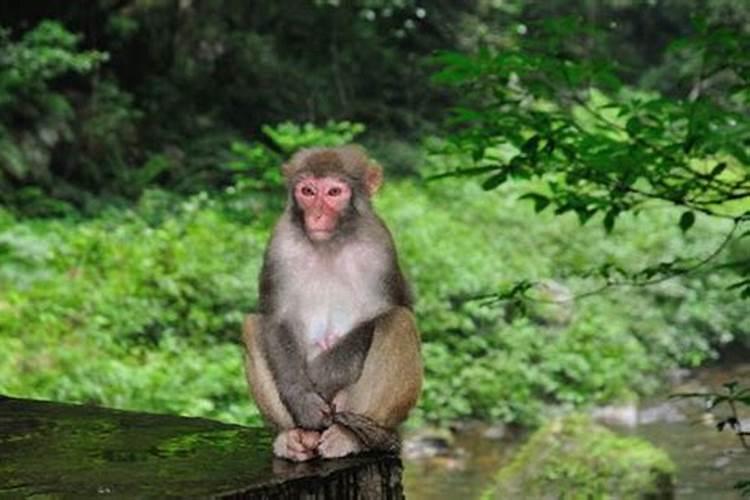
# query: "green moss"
[575,458]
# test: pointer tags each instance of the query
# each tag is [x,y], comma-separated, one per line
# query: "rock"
[72,451]
[677,376]
[577,458]
[671,411]
[436,447]
[722,462]
[428,443]
[495,431]
[622,415]
[555,304]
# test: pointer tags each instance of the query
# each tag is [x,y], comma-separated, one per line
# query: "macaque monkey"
[333,357]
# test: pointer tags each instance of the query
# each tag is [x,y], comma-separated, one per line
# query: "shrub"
[458,242]
[141,308]
[35,117]
[131,314]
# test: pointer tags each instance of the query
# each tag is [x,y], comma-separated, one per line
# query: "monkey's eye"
[334,191]
[307,191]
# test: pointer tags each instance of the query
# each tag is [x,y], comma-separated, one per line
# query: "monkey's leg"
[292,443]
[388,387]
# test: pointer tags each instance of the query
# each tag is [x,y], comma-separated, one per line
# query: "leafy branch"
[733,395]
[538,110]
[615,276]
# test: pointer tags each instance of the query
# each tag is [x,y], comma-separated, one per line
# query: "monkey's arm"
[368,411]
[297,392]
[341,365]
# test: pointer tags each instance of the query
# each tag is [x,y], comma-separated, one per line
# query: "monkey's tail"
[372,435]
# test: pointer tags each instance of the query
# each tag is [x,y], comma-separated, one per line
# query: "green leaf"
[609,220]
[717,401]
[739,152]
[530,146]
[718,169]
[494,181]
[687,220]
[739,284]
[549,147]
[540,201]
[633,126]
[584,214]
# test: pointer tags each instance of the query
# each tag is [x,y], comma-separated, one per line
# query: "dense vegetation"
[140,308]
[139,146]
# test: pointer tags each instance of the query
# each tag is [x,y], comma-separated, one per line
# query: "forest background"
[589,240]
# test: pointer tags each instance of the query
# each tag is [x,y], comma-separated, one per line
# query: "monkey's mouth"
[319,234]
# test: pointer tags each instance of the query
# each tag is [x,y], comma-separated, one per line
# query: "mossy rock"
[573,458]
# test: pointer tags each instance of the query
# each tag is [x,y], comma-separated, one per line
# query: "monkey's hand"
[311,411]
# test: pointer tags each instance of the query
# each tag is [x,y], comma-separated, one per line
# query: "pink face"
[322,199]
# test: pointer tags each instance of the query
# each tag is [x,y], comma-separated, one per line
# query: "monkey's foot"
[338,441]
[296,444]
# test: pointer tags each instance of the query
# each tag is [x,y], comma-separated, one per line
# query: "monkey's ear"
[373,178]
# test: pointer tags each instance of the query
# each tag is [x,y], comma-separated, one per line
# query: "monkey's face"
[323,200]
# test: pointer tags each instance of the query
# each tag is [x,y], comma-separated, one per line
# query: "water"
[464,471]
[708,462]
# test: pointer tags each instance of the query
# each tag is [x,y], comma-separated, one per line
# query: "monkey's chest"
[327,303]
[328,309]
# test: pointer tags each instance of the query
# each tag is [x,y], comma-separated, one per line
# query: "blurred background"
[568,183]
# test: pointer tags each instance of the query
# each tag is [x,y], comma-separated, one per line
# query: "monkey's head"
[330,187]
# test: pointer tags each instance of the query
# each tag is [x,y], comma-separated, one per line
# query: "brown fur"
[387,389]
[262,386]
[351,161]
[391,378]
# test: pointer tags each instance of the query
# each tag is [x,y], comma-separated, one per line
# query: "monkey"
[333,357]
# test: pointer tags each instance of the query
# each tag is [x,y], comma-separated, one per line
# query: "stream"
[465,461]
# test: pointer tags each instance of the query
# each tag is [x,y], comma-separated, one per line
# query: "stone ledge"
[75,451]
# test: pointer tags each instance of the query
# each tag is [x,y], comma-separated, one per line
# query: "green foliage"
[257,165]
[141,308]
[131,306]
[180,85]
[105,136]
[542,110]
[575,458]
[258,185]
[731,397]
[290,137]
[174,95]
[255,161]
[743,487]
[486,362]
[131,311]
[29,65]
[35,116]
